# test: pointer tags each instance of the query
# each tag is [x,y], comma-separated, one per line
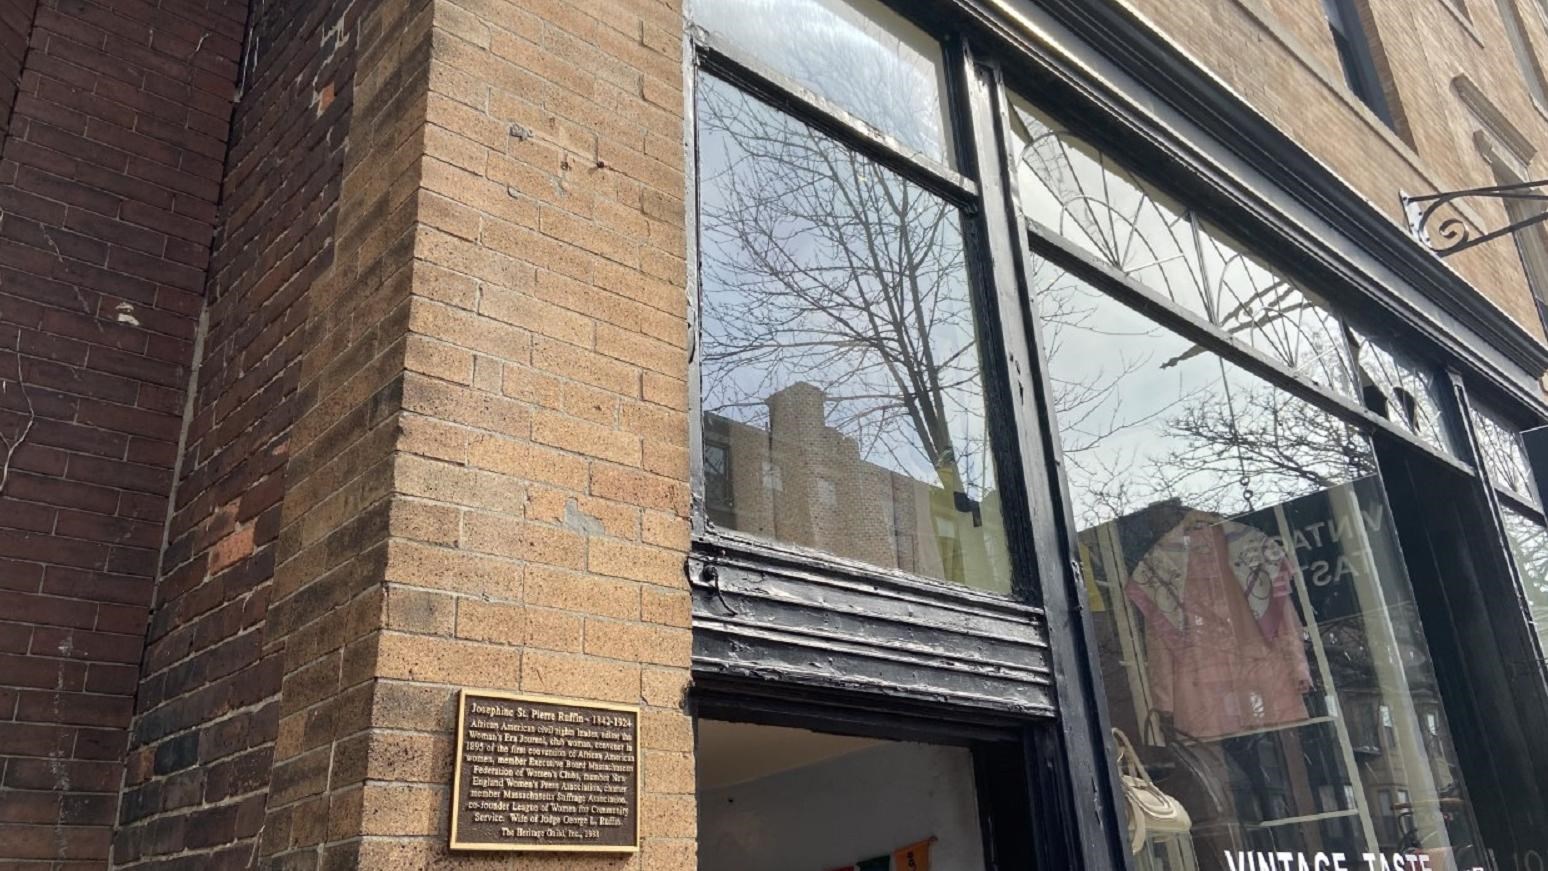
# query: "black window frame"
[1067,759]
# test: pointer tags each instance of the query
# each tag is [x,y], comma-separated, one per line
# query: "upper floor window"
[1521,47]
[1355,57]
[1531,239]
[858,55]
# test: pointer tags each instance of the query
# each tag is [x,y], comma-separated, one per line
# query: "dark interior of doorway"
[1469,608]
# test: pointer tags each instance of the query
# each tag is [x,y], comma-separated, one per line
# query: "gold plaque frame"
[484,846]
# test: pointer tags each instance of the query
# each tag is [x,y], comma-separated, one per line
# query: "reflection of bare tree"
[823,268]
[1271,443]
[1084,406]
[1144,416]
[1529,545]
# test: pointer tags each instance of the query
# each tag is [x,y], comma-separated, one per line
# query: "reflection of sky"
[1114,359]
[1126,393]
[856,53]
[821,267]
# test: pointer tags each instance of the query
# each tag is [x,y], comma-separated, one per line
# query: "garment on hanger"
[1223,641]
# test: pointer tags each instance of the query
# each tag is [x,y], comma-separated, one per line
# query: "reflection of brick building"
[804,481]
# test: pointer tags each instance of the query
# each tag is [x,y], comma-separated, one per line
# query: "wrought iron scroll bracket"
[1450,234]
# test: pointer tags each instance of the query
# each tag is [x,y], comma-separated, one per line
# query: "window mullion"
[697,513]
[1488,490]
[1076,755]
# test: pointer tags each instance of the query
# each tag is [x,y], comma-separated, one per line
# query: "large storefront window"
[1219,418]
[1257,633]
[1256,629]
[843,404]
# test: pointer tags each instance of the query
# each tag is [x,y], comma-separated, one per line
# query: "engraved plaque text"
[540,773]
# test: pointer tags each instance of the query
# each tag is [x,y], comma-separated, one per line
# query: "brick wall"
[110,173]
[539,526]
[328,600]
[1279,55]
[15,31]
[217,675]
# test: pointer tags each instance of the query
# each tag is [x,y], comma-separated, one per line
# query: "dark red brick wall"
[109,180]
[15,28]
[207,719]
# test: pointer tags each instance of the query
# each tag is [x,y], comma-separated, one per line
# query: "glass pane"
[858,54]
[1255,303]
[1503,454]
[1071,187]
[1529,545]
[1146,416]
[842,396]
[1255,626]
[1079,192]
[1405,390]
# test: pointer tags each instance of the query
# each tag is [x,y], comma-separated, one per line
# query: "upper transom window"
[856,54]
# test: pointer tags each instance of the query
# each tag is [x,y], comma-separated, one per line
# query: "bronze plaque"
[540,773]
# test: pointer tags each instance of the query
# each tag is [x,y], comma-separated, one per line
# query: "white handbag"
[1151,812]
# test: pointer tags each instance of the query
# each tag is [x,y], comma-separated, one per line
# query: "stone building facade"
[345,356]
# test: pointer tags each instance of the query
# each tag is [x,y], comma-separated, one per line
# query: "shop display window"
[1256,630]
[859,354]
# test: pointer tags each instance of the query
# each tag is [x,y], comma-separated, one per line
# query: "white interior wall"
[840,810]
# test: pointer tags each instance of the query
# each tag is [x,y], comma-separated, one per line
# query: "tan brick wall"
[538,524]
[1279,55]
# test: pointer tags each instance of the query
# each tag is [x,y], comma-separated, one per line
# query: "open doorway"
[774,798]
